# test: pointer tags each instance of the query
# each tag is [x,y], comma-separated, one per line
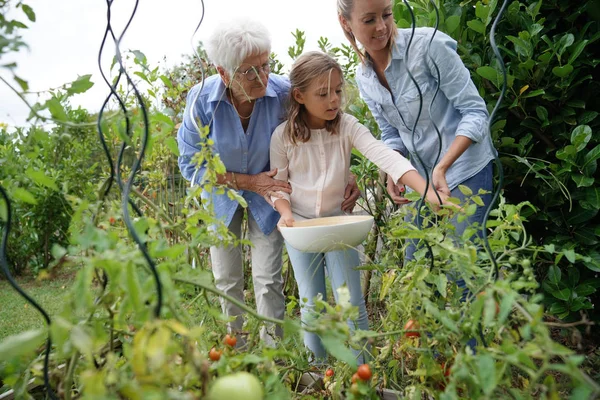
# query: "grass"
[17,315]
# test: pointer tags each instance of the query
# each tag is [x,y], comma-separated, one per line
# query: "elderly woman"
[242,105]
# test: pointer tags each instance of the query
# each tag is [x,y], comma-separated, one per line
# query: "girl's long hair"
[308,67]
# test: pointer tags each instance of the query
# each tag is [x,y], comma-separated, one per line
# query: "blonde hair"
[345,8]
[308,67]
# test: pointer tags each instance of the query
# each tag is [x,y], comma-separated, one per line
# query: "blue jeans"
[309,270]
[482,180]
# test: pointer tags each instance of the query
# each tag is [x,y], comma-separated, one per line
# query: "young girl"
[311,151]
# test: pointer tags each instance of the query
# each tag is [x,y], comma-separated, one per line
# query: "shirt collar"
[218,91]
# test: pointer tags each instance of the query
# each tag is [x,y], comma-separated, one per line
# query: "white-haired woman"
[242,106]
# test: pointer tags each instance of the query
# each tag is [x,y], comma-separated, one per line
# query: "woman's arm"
[455,82]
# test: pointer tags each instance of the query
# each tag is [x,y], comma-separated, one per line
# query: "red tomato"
[214,354]
[412,325]
[364,372]
[230,340]
[329,372]
[355,378]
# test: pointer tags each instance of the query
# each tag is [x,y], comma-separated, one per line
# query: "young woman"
[458,110]
[311,151]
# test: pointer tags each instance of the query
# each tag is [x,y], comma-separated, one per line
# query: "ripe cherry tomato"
[329,372]
[364,372]
[112,220]
[446,369]
[412,325]
[355,378]
[230,340]
[214,354]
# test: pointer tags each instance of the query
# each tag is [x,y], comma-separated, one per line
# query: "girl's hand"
[351,194]
[396,192]
[286,220]
[438,178]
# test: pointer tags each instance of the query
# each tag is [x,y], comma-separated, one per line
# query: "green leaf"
[542,113]
[335,346]
[564,71]
[534,93]
[452,22]
[554,274]
[587,117]
[564,43]
[29,12]
[166,81]
[570,255]
[22,83]
[580,136]
[21,344]
[582,181]
[465,190]
[584,290]
[24,196]
[171,144]
[56,109]
[40,178]
[580,215]
[592,196]
[488,73]
[477,26]
[564,294]
[487,373]
[80,85]
[140,57]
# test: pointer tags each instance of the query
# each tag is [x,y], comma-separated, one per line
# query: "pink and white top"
[318,170]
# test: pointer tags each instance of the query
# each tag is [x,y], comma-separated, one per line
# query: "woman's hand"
[264,184]
[351,194]
[396,192]
[438,178]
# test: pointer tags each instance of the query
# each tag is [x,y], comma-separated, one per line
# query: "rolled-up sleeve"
[389,134]
[385,158]
[458,87]
[188,138]
[279,160]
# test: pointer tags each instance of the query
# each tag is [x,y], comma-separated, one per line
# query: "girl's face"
[322,98]
[372,23]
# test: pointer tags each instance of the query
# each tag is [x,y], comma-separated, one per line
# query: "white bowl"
[320,235]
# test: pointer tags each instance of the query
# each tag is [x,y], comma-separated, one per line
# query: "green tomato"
[525,263]
[512,260]
[240,385]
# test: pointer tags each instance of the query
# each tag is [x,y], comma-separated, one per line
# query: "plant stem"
[70,373]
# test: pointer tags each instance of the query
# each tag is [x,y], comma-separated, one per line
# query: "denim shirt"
[458,108]
[241,152]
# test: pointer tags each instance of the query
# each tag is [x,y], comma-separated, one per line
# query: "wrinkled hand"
[438,178]
[286,220]
[396,192]
[351,194]
[264,184]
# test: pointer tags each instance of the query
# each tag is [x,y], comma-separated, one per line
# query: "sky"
[65,39]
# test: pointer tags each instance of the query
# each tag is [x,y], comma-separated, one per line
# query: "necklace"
[236,110]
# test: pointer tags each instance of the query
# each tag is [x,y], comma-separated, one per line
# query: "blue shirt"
[458,108]
[241,152]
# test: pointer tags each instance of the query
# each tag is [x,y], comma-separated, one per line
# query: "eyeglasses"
[252,73]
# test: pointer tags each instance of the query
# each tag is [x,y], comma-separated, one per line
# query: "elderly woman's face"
[250,79]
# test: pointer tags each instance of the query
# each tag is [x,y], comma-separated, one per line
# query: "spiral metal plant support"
[126,201]
[22,293]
